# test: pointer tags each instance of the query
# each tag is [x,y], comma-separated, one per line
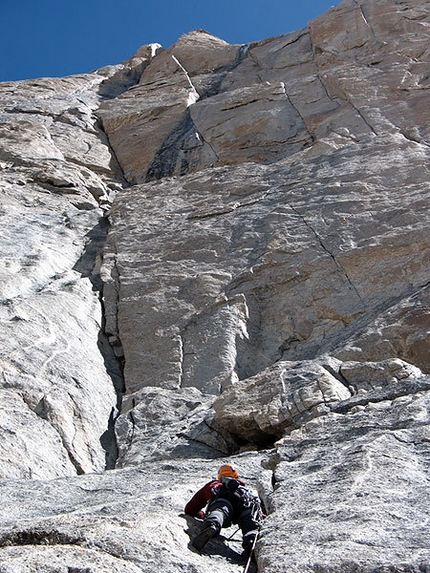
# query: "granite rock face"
[56,169]
[215,252]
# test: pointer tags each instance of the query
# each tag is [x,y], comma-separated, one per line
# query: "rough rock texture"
[56,394]
[217,252]
[124,521]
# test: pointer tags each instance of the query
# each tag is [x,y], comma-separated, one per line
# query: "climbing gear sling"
[231,536]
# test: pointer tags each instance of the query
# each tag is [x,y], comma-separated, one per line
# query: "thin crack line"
[311,135]
[347,98]
[336,262]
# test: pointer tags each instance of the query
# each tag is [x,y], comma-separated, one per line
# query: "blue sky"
[62,37]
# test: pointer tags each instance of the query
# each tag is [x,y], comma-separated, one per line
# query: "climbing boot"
[208,532]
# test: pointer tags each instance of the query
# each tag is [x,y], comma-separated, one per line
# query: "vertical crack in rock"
[42,411]
[74,461]
[363,117]
[176,150]
[88,266]
[175,154]
[346,98]
[331,255]
[111,349]
[322,76]
[115,163]
[219,74]
[311,135]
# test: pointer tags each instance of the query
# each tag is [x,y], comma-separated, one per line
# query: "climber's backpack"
[239,496]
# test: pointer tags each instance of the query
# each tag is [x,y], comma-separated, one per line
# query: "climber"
[229,502]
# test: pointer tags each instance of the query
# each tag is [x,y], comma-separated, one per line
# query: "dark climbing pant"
[221,514]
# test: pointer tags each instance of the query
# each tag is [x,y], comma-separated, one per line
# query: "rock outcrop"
[216,252]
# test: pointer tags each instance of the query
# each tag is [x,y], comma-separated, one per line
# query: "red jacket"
[200,499]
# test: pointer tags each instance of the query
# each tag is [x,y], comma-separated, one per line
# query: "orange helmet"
[227,470]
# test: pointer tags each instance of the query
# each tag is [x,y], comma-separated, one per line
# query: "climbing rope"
[251,553]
